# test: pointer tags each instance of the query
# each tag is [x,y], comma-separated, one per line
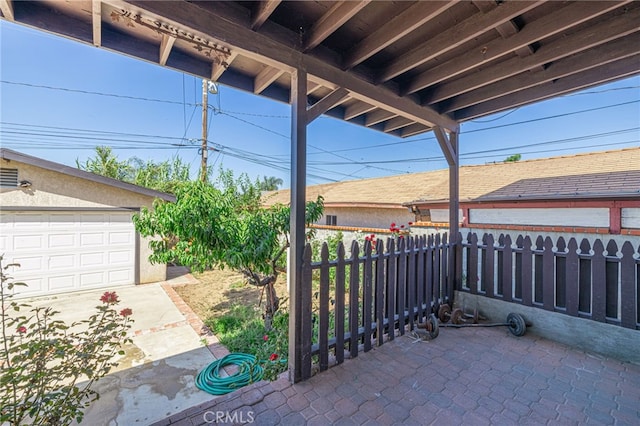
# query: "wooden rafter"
[96,21]
[357,109]
[412,130]
[395,124]
[166,44]
[6,7]
[591,58]
[265,49]
[261,12]
[335,17]
[568,16]
[445,145]
[506,29]
[454,37]
[395,29]
[265,78]
[580,41]
[598,75]
[378,116]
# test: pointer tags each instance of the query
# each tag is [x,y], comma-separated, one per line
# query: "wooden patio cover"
[398,67]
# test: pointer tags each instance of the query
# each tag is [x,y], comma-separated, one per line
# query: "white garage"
[71,230]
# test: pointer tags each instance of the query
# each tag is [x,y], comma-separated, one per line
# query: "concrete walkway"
[480,376]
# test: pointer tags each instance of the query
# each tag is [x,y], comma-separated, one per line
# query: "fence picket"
[306,325]
[472,264]
[517,293]
[339,306]
[548,292]
[628,313]
[599,278]
[527,270]
[585,277]
[429,271]
[411,282]
[437,270]
[420,279]
[538,266]
[391,288]
[572,278]
[561,274]
[379,292]
[500,261]
[445,283]
[401,284]
[367,299]
[323,311]
[507,270]
[611,271]
[354,290]
[488,277]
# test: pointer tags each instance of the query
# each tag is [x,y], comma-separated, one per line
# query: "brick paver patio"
[474,377]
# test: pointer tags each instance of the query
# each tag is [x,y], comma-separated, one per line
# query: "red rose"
[273,357]
[265,337]
[109,297]
[126,312]
[22,329]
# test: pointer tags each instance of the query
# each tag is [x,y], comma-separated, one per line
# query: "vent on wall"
[8,178]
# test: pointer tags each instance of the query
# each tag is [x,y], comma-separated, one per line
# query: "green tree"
[106,163]
[270,183]
[513,158]
[223,225]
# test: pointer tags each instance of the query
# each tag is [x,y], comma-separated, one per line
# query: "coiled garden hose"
[210,380]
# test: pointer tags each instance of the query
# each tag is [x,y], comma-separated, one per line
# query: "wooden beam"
[265,49]
[265,78]
[566,17]
[378,116]
[218,69]
[454,37]
[6,7]
[592,77]
[577,42]
[165,48]
[447,150]
[300,291]
[328,23]
[326,103]
[96,21]
[413,129]
[591,58]
[357,109]
[261,12]
[454,276]
[393,30]
[396,123]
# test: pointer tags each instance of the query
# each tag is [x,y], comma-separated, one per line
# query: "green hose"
[249,371]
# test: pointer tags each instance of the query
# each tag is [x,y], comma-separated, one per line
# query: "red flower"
[22,329]
[126,312]
[401,226]
[109,298]
[273,357]
[265,337]
[393,224]
[410,223]
[373,236]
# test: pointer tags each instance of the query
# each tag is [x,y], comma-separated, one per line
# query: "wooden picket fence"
[587,281]
[364,300]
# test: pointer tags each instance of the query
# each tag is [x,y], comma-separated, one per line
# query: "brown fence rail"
[365,300]
[588,281]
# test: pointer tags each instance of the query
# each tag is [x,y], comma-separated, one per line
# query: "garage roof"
[10,155]
[399,67]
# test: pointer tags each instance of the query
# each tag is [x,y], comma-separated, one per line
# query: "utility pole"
[205,106]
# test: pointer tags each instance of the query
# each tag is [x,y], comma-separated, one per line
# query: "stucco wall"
[50,189]
[368,217]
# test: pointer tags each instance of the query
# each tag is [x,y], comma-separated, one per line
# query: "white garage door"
[67,251]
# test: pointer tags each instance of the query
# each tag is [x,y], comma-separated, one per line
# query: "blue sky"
[46,112]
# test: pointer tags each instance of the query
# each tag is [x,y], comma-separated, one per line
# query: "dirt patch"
[219,290]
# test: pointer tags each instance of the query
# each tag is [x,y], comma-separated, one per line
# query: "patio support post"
[299,315]
[449,146]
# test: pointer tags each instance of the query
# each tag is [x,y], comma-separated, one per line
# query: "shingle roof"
[477,181]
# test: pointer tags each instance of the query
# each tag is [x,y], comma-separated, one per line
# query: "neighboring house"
[69,229]
[594,193]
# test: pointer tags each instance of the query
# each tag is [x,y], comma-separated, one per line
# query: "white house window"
[8,178]
[332,220]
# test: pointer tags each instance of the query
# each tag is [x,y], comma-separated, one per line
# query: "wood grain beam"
[593,77]
[357,109]
[566,17]
[591,58]
[396,28]
[445,146]
[166,44]
[265,78]
[218,69]
[326,103]
[413,129]
[267,50]
[261,13]
[328,23]
[588,38]
[395,124]
[506,29]
[454,37]
[6,7]
[378,116]
[96,22]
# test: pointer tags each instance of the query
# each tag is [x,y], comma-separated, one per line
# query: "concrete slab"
[156,377]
